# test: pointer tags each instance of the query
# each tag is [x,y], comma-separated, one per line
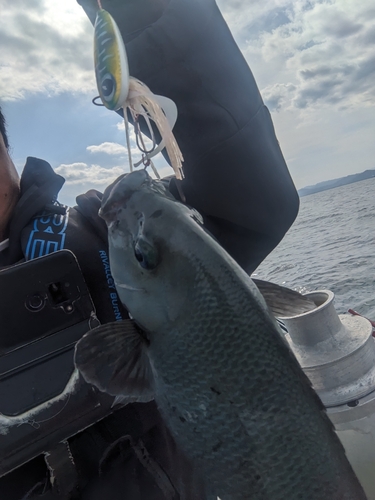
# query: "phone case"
[45,308]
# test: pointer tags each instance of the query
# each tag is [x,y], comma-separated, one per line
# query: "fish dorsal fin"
[283,301]
[113,357]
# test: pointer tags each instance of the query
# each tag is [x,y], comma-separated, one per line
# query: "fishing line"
[154,169]
[29,417]
[38,422]
[127,135]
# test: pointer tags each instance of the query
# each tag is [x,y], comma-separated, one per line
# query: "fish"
[203,344]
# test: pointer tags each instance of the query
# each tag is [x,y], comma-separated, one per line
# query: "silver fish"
[227,385]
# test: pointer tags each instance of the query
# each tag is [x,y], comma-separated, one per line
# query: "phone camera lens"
[35,302]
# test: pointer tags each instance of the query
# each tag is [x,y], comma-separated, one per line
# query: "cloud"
[113,149]
[342,84]
[276,95]
[308,52]
[313,60]
[336,23]
[80,177]
[288,44]
[248,19]
[82,173]
[110,148]
[286,41]
[120,125]
[48,49]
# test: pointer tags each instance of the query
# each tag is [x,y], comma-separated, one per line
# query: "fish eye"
[146,254]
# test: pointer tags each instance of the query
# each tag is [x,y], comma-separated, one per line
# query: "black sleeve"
[235,172]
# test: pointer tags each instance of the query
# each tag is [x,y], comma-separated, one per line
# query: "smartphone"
[45,308]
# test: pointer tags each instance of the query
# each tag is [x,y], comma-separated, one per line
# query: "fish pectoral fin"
[283,301]
[113,357]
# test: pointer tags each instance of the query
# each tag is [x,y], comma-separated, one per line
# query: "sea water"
[331,246]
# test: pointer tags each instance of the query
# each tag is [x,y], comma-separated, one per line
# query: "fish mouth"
[117,194]
[128,287]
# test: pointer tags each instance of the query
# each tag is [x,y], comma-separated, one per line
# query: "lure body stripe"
[111,64]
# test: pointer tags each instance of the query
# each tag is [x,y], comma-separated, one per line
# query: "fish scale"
[239,421]
[227,385]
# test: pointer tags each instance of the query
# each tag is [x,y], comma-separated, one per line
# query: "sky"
[313,60]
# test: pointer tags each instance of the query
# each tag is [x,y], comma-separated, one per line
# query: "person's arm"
[235,173]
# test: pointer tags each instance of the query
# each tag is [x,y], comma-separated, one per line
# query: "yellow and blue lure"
[111,63]
[117,89]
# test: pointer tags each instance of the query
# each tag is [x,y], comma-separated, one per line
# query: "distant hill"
[324,186]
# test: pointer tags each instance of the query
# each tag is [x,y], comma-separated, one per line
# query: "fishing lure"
[117,89]
[111,63]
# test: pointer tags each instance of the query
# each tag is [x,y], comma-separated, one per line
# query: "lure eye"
[146,254]
[108,86]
